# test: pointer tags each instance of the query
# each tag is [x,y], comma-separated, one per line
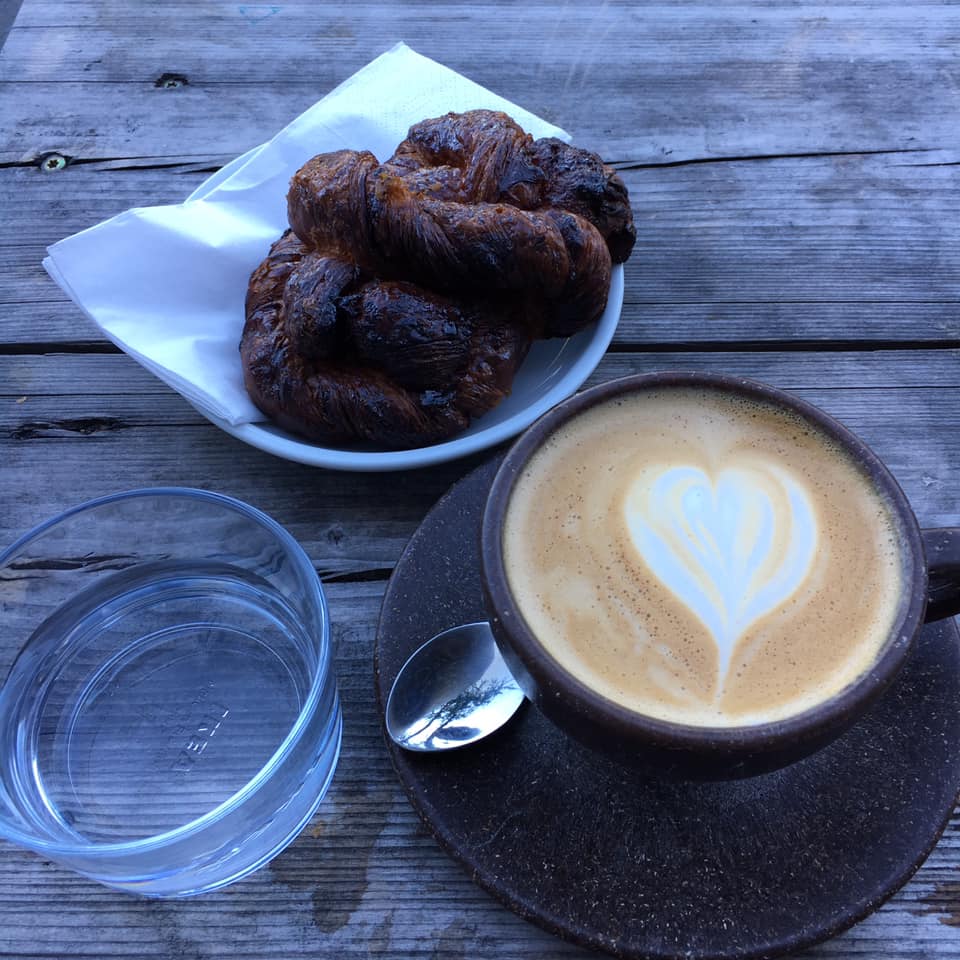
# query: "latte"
[702,558]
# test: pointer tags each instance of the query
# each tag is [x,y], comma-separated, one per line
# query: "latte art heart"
[732,549]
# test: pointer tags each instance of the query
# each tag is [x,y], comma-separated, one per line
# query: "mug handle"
[942,546]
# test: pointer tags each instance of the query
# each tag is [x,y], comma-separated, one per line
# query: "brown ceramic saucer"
[627,862]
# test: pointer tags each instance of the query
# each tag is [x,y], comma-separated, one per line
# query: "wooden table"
[794,171]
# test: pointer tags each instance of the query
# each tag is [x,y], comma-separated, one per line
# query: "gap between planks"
[201,163]
[682,346]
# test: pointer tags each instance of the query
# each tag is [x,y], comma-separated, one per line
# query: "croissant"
[406,294]
[336,356]
[484,156]
[346,202]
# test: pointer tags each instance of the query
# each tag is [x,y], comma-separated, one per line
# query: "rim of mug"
[569,691]
[294,734]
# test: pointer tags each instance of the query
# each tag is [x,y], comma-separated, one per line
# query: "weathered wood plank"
[814,249]
[707,324]
[697,80]
[366,880]
[826,250]
[94,424]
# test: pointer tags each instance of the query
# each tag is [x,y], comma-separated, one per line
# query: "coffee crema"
[702,558]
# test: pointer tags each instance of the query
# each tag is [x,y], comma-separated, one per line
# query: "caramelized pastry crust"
[358,358]
[406,294]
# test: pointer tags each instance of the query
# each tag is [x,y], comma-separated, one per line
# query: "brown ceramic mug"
[705,573]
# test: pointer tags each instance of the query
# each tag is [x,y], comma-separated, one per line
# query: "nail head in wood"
[52,162]
[170,81]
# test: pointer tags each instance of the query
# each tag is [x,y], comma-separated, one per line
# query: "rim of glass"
[320,679]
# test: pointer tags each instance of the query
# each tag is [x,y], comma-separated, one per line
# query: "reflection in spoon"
[454,690]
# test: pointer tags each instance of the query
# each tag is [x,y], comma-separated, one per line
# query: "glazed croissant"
[337,356]
[407,293]
[485,157]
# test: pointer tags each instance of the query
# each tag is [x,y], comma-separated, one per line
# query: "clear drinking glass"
[171,720]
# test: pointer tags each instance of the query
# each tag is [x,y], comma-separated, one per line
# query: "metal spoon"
[453,690]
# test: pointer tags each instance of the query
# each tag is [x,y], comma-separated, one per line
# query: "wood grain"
[794,172]
[820,249]
[691,79]
[128,429]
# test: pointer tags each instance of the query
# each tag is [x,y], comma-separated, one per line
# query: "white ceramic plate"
[551,372]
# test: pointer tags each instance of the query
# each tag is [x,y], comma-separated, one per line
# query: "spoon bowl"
[451,692]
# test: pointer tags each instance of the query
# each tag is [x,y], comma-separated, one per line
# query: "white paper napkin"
[166,284]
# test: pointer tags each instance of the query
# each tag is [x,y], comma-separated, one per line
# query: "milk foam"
[731,550]
[702,558]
